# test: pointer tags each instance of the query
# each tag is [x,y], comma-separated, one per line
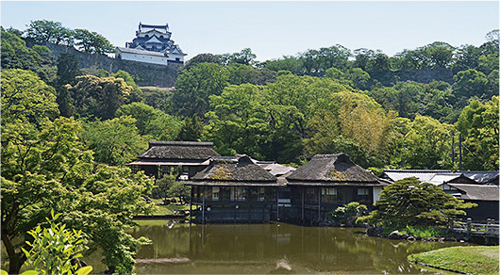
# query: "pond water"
[275,248]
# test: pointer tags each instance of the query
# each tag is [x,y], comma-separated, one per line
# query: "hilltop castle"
[152,45]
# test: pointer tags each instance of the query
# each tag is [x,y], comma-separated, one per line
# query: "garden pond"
[274,248]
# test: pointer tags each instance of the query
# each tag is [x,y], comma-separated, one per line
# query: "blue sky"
[273,29]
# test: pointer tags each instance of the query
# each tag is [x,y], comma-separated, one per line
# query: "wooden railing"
[488,228]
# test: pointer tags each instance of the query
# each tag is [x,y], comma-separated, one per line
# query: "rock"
[394,235]
[411,238]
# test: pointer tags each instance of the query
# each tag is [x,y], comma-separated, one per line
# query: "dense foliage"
[67,132]
[409,202]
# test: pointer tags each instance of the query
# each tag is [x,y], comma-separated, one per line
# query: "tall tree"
[427,145]
[194,86]
[50,170]
[99,96]
[115,142]
[478,125]
[27,98]
[43,31]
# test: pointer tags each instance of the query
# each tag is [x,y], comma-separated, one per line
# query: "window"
[261,194]
[238,194]
[329,194]
[364,194]
[215,193]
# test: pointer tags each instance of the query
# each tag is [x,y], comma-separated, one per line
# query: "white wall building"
[152,45]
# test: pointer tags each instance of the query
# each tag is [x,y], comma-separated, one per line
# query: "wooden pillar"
[319,205]
[303,191]
[191,206]
[277,204]
[203,208]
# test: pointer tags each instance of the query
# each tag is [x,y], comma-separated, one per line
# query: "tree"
[136,95]
[427,145]
[470,83]
[25,97]
[202,58]
[347,214]
[179,189]
[478,124]
[194,87]
[43,31]
[99,97]
[92,42]
[55,250]
[410,202]
[115,142]
[49,169]
[150,121]
[191,130]
[15,54]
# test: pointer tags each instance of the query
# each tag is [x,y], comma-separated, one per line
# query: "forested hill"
[404,111]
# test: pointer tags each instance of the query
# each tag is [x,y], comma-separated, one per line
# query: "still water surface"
[273,249]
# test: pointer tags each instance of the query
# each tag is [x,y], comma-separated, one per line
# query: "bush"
[348,214]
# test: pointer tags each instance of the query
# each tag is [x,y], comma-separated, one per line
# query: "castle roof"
[159,28]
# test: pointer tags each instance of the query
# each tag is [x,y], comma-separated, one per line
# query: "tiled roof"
[477,192]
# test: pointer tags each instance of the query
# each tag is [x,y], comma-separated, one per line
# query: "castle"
[152,45]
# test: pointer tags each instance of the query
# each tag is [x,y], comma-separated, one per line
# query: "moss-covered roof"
[332,168]
[234,169]
[179,150]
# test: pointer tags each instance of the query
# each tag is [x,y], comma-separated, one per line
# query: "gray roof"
[422,175]
[329,168]
[179,150]
[237,169]
[476,192]
[439,177]
[483,177]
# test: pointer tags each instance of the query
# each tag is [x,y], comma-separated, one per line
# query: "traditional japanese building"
[325,183]
[236,189]
[152,45]
[188,156]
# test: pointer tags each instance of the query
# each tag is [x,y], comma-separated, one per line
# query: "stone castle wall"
[144,74]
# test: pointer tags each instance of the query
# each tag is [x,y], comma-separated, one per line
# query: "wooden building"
[325,183]
[188,156]
[233,190]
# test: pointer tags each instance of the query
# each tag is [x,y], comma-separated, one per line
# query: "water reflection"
[272,248]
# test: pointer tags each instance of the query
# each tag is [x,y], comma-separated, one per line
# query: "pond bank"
[465,260]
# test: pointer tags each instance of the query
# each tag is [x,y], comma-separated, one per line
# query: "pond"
[274,248]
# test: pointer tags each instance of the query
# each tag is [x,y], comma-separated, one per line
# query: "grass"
[161,209]
[467,259]
[422,232]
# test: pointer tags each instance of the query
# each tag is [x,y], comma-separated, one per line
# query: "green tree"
[194,87]
[409,202]
[347,214]
[92,42]
[26,97]
[99,96]
[478,124]
[191,130]
[150,121]
[43,31]
[427,145]
[15,54]
[470,83]
[136,95]
[180,190]
[202,58]
[55,250]
[114,142]
[49,169]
